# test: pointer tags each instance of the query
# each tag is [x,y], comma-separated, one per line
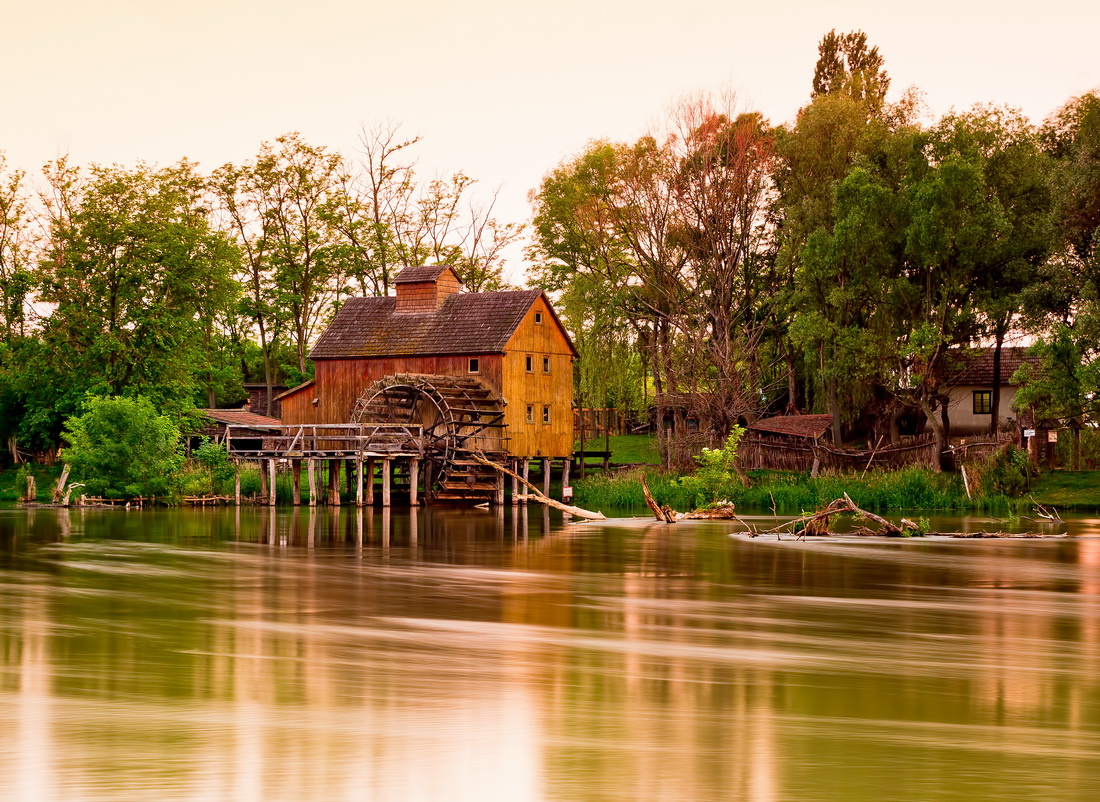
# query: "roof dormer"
[424,289]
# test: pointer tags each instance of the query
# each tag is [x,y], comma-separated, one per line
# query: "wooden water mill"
[460,416]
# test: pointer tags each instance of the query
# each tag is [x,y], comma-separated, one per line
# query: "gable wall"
[538,388]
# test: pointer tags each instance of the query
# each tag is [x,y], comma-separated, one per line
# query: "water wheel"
[458,415]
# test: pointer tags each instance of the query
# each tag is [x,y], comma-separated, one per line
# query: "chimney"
[421,290]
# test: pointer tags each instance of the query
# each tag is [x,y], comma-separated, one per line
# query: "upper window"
[546,414]
[530,363]
[538,318]
[530,413]
[475,365]
[546,364]
[983,402]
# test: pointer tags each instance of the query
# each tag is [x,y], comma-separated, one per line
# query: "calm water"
[225,655]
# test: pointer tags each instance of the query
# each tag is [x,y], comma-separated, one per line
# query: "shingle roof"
[465,323]
[240,417]
[812,426]
[420,273]
[975,367]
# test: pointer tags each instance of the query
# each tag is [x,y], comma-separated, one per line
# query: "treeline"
[731,267]
[179,285]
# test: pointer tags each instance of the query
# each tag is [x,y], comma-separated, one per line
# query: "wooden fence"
[760,451]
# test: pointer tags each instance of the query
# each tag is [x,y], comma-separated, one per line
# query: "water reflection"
[336,654]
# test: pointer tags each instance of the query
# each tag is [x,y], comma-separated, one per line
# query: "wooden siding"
[426,296]
[538,388]
[338,383]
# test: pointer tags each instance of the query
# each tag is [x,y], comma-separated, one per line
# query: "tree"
[17,252]
[121,448]
[132,267]
[845,65]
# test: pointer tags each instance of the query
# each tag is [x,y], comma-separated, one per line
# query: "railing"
[324,440]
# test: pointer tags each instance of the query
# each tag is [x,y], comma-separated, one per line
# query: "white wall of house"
[964,421]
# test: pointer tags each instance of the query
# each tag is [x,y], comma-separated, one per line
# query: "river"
[465,655]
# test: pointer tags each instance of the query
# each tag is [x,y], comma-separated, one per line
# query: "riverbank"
[911,489]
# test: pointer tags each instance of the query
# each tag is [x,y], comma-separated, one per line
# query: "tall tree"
[847,66]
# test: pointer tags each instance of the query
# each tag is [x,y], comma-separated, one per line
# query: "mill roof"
[240,417]
[420,273]
[975,367]
[464,323]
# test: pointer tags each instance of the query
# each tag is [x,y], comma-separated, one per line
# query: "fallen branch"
[664,514]
[537,494]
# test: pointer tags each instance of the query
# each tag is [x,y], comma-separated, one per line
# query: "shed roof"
[240,417]
[975,366]
[465,323]
[812,426]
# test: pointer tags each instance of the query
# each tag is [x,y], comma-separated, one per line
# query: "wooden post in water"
[515,483]
[271,482]
[359,485]
[311,467]
[237,484]
[334,482]
[263,479]
[566,488]
[370,482]
[347,478]
[414,479]
[296,472]
[526,472]
[546,477]
[387,471]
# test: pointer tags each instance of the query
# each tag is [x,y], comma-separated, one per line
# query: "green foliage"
[122,448]
[1007,472]
[215,459]
[715,473]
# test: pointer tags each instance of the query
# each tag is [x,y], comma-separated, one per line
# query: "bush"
[215,458]
[1007,472]
[121,448]
[713,480]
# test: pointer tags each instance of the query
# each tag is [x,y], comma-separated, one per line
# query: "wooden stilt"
[515,483]
[296,472]
[566,488]
[348,479]
[526,473]
[546,477]
[237,485]
[413,531]
[271,482]
[387,471]
[429,481]
[370,483]
[334,482]
[311,466]
[498,490]
[263,479]
[359,485]
[414,479]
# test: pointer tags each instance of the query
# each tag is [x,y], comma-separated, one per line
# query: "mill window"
[530,413]
[538,318]
[475,366]
[546,364]
[530,363]
[545,414]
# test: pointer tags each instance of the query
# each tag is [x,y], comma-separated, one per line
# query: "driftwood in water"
[536,494]
[664,514]
[61,482]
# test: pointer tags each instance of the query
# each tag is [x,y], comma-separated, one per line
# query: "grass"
[1068,490]
[45,477]
[628,449]
[911,489]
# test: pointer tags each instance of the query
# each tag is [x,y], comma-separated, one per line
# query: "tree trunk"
[995,393]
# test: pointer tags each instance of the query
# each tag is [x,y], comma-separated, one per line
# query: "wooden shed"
[487,371]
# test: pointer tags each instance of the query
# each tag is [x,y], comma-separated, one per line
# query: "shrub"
[712,480]
[215,458]
[1007,471]
[121,448]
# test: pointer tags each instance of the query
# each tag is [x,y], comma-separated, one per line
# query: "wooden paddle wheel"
[459,416]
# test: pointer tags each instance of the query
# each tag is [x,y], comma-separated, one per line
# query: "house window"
[545,414]
[983,402]
[530,413]
[475,366]
[538,318]
[530,363]
[546,364]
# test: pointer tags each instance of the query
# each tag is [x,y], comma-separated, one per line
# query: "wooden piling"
[387,472]
[312,470]
[359,483]
[414,478]
[296,472]
[271,482]
[546,476]
[526,473]
[237,485]
[263,479]
[515,483]
[370,483]
[566,488]
[334,482]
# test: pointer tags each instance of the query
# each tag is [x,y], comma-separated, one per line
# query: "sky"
[502,90]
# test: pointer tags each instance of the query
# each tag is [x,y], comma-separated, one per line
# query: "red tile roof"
[465,323]
[812,426]
[975,366]
[240,417]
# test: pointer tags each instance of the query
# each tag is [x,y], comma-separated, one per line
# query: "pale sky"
[501,90]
